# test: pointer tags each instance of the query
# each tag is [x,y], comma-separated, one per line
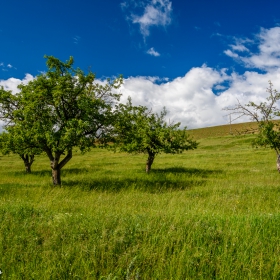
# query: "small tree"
[139,130]
[16,139]
[62,109]
[18,142]
[264,114]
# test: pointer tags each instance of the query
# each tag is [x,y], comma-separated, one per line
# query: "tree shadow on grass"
[204,173]
[117,185]
[159,180]
[48,172]
[41,173]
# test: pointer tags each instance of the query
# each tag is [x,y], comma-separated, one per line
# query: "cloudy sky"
[194,57]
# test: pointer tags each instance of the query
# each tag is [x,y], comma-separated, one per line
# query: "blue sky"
[194,57]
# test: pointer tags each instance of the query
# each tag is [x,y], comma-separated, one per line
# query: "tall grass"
[212,213]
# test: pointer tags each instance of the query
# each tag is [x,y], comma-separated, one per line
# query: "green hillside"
[224,130]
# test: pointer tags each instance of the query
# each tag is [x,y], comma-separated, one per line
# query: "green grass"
[212,213]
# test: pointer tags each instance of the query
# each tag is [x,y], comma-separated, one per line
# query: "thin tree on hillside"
[266,115]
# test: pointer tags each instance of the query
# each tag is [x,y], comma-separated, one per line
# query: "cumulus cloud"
[154,13]
[152,52]
[12,83]
[191,99]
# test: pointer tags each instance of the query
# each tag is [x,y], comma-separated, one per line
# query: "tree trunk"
[149,162]
[28,160]
[56,176]
[27,167]
[278,163]
[56,166]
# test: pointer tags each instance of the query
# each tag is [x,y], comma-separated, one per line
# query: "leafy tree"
[265,114]
[16,139]
[18,142]
[62,109]
[139,130]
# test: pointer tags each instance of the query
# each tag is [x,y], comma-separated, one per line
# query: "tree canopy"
[18,141]
[61,109]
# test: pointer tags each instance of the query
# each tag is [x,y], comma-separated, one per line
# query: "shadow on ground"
[48,172]
[159,180]
[112,185]
[204,173]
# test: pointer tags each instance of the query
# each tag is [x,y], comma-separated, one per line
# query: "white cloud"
[231,54]
[152,52]
[191,99]
[124,5]
[239,47]
[268,55]
[4,67]
[155,13]
[76,39]
[12,83]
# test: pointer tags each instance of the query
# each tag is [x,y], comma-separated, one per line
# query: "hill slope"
[224,130]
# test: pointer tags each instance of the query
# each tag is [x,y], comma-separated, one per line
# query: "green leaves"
[268,136]
[65,108]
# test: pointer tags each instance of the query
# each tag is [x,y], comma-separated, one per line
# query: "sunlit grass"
[211,213]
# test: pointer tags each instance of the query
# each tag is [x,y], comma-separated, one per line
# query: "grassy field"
[212,213]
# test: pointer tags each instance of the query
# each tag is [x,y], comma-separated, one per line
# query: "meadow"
[211,213]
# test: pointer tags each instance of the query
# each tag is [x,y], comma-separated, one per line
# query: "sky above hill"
[194,57]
